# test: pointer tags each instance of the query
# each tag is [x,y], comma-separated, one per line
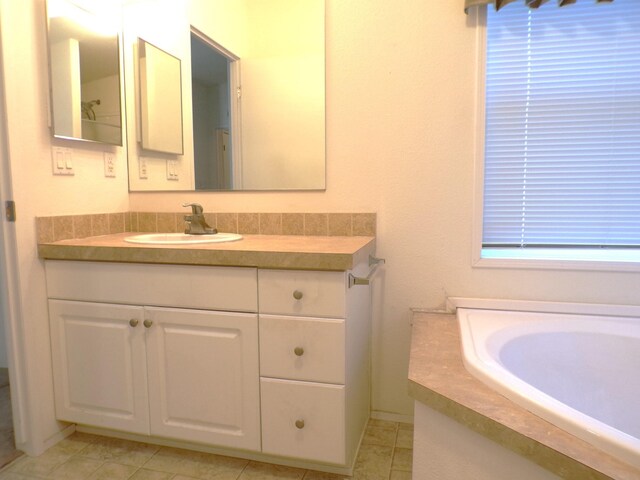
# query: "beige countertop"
[438,378]
[262,251]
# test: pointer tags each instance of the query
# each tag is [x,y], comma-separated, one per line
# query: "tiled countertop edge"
[262,251]
[185,256]
[438,378]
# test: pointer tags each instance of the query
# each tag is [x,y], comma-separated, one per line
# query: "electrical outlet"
[62,161]
[109,164]
[143,169]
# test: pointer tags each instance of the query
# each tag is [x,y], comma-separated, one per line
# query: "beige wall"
[37,192]
[400,141]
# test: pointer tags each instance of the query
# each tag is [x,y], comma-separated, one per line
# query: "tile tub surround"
[52,229]
[385,454]
[438,378]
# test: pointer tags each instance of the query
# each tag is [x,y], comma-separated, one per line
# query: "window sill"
[622,260]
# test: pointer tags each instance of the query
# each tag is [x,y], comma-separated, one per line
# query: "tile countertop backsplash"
[64,227]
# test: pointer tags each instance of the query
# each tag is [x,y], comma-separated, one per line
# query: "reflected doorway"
[215,96]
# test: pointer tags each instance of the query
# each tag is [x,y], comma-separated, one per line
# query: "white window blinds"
[562,141]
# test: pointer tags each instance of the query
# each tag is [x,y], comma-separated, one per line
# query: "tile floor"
[385,454]
[8,451]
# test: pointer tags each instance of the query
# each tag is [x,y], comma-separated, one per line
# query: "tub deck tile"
[438,378]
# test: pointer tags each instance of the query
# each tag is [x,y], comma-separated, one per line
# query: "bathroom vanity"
[258,348]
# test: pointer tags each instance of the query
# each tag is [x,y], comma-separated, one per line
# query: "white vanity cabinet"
[314,364]
[275,362]
[182,373]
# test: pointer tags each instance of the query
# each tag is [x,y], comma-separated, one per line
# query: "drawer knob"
[133,322]
[297,294]
[147,323]
[299,351]
[300,424]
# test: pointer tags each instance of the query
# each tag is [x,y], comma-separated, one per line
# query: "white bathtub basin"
[579,372]
[182,238]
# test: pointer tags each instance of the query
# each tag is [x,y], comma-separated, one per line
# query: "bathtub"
[580,372]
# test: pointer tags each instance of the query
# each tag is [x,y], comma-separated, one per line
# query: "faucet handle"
[196,208]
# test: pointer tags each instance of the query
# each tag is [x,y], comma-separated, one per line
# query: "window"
[562,132]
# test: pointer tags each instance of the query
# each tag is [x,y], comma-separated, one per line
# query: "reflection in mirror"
[283,96]
[214,75]
[160,100]
[274,124]
[84,67]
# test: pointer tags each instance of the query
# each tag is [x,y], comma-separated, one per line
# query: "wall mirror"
[84,71]
[253,94]
[160,90]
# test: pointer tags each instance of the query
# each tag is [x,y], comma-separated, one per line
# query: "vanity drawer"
[291,292]
[303,420]
[302,348]
[181,286]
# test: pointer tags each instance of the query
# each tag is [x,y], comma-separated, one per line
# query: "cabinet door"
[99,365]
[203,376]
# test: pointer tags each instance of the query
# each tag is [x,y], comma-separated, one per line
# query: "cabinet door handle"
[300,424]
[299,351]
[297,294]
[133,322]
[147,323]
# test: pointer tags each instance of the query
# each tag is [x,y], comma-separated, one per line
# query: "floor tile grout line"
[243,469]
[134,472]
[159,447]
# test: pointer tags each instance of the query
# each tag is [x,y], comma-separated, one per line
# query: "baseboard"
[56,437]
[392,417]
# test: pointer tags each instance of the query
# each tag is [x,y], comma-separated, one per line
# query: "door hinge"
[10,210]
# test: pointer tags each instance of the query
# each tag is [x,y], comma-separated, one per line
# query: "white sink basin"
[182,238]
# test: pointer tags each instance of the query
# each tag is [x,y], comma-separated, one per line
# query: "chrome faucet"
[195,223]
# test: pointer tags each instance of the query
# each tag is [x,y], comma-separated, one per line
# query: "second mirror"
[160,87]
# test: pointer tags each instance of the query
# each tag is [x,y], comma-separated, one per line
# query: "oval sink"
[182,238]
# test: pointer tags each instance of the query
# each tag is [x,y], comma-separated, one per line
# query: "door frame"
[10,303]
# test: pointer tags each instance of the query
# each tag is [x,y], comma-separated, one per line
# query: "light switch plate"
[62,161]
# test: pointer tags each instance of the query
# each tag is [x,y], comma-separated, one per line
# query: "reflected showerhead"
[87,109]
